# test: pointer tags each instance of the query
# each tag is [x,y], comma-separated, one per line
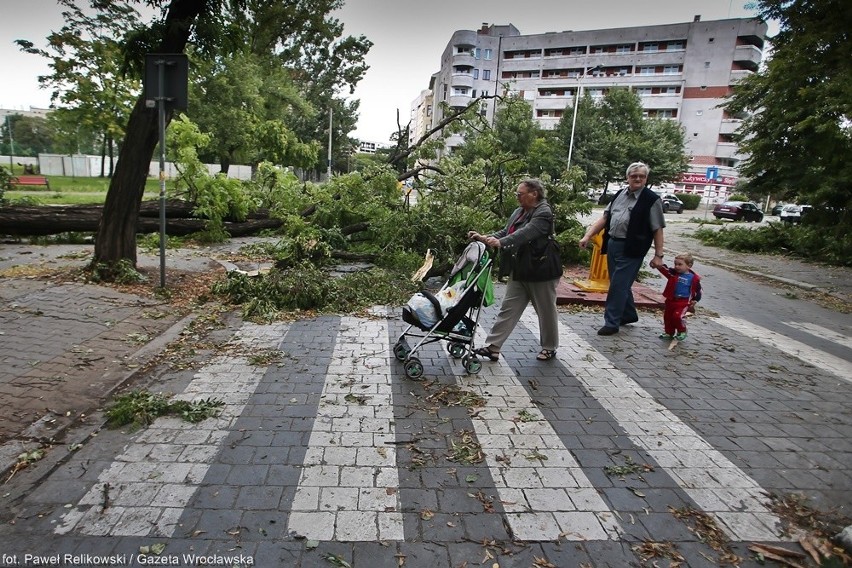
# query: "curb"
[10,450]
[765,275]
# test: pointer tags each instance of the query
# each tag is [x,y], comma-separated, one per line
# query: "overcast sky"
[409,37]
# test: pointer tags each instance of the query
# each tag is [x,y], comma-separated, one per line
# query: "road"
[619,452]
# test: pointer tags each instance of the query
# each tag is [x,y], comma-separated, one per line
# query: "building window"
[651,47]
[428,110]
[488,54]
[624,48]
[460,91]
[670,90]
[675,46]
[486,73]
[644,91]
[671,69]
[646,70]
[476,73]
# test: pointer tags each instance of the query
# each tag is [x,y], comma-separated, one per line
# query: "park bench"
[30,180]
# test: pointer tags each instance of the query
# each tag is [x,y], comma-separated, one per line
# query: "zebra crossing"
[349,486]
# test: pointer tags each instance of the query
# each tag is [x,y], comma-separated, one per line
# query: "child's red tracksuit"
[680,290]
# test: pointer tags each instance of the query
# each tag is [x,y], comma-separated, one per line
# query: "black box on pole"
[176,78]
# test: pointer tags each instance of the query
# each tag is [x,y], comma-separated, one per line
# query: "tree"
[797,126]
[31,135]
[87,78]
[301,32]
[611,134]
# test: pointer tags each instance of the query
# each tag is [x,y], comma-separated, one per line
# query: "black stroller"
[451,314]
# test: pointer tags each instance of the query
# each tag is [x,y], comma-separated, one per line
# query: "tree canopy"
[797,126]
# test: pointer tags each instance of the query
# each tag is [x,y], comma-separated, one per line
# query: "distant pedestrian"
[632,222]
[682,292]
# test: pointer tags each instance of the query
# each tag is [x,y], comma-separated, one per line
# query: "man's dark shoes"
[625,321]
[606,330]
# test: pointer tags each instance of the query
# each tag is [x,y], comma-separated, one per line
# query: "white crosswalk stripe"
[349,487]
[819,359]
[822,332]
[543,489]
[147,487]
[712,481]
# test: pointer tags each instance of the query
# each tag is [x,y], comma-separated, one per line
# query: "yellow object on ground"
[598,280]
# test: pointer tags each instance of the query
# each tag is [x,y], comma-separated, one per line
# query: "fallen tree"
[32,221]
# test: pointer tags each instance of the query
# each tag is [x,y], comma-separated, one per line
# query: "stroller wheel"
[456,349]
[413,368]
[401,349]
[472,365]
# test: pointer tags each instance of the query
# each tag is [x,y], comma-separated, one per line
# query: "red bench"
[30,180]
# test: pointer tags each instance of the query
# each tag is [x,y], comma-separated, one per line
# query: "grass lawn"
[65,190]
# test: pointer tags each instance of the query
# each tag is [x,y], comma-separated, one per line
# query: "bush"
[306,287]
[808,243]
[691,201]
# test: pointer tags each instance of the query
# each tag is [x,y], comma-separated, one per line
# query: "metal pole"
[11,144]
[161,109]
[574,120]
[330,115]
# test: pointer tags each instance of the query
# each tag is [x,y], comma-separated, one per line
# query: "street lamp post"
[11,143]
[577,104]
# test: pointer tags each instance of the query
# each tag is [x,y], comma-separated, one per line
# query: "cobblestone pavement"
[325,454]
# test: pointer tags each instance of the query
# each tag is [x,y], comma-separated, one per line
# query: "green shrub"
[738,197]
[808,243]
[306,287]
[691,201]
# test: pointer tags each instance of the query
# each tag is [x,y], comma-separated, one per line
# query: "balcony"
[738,75]
[459,101]
[728,150]
[554,103]
[661,101]
[461,80]
[748,56]
[729,126]
[464,59]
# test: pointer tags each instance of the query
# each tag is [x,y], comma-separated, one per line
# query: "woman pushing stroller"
[530,225]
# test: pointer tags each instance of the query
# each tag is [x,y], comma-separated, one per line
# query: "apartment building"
[681,72]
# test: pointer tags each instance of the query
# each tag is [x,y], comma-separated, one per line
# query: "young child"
[682,292]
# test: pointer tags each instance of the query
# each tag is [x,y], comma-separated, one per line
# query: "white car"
[793,213]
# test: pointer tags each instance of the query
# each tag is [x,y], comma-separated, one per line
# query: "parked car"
[777,209]
[738,211]
[671,202]
[793,213]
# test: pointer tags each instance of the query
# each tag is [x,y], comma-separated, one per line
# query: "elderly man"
[632,222]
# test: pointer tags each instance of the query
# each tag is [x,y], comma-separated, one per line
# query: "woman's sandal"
[546,355]
[487,353]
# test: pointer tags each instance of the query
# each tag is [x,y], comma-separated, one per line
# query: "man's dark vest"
[639,233]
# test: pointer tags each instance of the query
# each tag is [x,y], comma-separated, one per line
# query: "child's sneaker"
[680,336]
[665,336]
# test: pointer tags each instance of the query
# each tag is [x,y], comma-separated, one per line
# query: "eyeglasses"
[520,193]
[637,176]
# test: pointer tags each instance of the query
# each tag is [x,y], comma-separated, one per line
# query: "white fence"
[80,165]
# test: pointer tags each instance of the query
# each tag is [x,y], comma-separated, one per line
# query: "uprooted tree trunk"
[52,220]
